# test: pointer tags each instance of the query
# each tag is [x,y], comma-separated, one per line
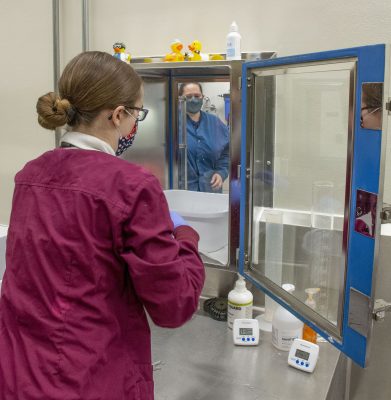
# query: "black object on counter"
[216,307]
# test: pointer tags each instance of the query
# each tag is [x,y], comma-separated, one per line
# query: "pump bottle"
[233,43]
[308,333]
[240,302]
[285,326]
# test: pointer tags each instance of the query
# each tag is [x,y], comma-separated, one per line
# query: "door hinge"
[380,308]
[388,106]
[385,214]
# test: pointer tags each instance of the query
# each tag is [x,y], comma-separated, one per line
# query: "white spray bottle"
[233,43]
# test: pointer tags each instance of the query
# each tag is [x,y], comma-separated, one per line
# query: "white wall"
[26,73]
[147,27]
[287,26]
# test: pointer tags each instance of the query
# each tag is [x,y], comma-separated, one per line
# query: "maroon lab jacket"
[90,249]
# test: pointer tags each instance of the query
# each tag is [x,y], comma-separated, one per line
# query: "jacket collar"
[86,142]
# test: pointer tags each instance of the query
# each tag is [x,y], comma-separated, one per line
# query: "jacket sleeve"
[165,267]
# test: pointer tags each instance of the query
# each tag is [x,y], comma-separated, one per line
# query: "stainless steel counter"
[200,362]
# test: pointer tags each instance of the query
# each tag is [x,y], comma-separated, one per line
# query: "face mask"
[125,142]
[194,104]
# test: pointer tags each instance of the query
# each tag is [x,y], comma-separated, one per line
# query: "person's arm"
[164,264]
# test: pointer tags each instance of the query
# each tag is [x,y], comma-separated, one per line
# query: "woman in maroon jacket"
[91,246]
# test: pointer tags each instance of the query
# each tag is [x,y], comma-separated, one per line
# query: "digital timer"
[303,355]
[246,332]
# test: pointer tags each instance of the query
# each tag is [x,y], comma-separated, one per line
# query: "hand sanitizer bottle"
[240,302]
[308,333]
[285,326]
[233,43]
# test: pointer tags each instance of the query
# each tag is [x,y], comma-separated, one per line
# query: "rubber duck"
[195,47]
[176,55]
[216,57]
[119,52]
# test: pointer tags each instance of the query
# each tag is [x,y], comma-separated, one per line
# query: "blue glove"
[177,220]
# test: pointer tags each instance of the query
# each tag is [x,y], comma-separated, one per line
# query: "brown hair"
[183,85]
[373,94]
[91,82]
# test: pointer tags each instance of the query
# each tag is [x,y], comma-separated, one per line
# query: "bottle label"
[230,52]
[283,339]
[236,311]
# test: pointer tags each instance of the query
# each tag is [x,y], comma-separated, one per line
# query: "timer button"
[307,365]
[302,363]
[243,339]
[253,339]
[248,339]
[297,362]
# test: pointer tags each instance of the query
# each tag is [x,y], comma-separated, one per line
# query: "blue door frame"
[366,174]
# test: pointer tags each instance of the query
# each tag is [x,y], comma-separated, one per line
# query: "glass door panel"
[312,165]
[300,164]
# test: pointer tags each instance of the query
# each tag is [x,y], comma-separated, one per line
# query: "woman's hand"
[216,181]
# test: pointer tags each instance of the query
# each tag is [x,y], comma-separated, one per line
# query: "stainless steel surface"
[150,145]
[385,132]
[56,55]
[86,26]
[386,214]
[246,56]
[359,308]
[380,309]
[374,382]
[299,68]
[255,126]
[199,361]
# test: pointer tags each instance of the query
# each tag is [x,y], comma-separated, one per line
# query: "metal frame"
[86,25]
[342,64]
[56,55]
[207,71]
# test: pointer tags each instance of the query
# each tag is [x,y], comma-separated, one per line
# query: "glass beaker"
[322,211]
[274,231]
[322,221]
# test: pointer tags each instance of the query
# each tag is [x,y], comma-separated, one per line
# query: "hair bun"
[53,111]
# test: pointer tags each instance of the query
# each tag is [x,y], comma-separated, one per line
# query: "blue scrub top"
[207,151]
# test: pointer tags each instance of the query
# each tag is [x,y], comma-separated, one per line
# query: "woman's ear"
[117,115]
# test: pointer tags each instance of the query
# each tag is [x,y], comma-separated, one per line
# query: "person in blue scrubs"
[207,143]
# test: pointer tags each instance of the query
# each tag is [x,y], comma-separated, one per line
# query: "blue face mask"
[194,104]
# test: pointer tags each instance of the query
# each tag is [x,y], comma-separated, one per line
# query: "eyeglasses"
[142,113]
[370,108]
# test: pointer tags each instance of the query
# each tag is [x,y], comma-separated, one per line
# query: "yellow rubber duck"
[176,55]
[195,47]
[119,52]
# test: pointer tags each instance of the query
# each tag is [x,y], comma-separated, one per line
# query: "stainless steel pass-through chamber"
[161,143]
